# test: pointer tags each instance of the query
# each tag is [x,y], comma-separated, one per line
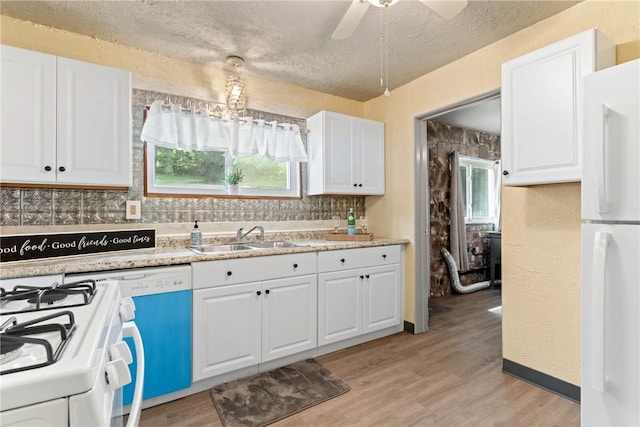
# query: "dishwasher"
[162,297]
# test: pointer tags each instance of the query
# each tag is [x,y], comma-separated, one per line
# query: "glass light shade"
[235,93]
[383,3]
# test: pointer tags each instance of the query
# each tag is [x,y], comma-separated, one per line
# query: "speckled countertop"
[163,255]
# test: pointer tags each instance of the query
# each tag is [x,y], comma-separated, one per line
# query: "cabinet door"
[382,295]
[340,145]
[289,316]
[369,159]
[28,116]
[94,124]
[339,306]
[226,329]
[542,110]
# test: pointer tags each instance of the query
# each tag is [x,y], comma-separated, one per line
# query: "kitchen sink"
[208,249]
[278,244]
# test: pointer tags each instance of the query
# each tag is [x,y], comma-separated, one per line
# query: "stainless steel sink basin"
[278,244]
[207,249]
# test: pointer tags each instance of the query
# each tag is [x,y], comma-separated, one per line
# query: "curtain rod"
[220,112]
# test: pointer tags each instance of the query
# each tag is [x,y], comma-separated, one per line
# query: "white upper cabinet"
[346,155]
[28,116]
[94,124]
[64,121]
[542,117]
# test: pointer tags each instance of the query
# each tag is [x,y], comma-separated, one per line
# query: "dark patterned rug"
[271,396]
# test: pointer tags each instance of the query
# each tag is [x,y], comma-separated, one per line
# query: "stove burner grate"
[7,347]
[43,298]
[48,297]
[14,333]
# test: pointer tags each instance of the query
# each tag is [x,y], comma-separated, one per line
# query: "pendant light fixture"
[235,86]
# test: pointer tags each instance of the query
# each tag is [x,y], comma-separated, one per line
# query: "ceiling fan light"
[383,3]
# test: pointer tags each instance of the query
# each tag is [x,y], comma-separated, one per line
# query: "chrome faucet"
[240,236]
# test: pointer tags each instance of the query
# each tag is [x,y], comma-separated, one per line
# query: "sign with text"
[34,246]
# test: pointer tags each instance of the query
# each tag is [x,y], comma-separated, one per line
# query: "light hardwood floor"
[450,376]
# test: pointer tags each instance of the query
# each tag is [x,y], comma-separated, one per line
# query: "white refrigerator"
[610,391]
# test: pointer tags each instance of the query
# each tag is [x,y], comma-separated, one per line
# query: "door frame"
[422,211]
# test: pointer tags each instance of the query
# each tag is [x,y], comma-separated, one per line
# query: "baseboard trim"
[542,380]
[409,327]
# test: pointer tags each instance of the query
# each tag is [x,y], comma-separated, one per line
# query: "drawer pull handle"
[384,256]
[267,291]
[355,185]
[47,168]
[342,260]
[258,293]
[359,185]
[62,169]
[361,277]
[366,275]
[229,273]
[295,265]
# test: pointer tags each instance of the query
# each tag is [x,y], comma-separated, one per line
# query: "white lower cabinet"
[339,306]
[381,308]
[289,313]
[236,325]
[255,310]
[356,301]
[226,329]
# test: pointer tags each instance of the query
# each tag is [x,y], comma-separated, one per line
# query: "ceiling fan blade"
[445,8]
[350,20]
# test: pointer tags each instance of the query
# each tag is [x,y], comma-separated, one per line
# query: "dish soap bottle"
[196,235]
[351,223]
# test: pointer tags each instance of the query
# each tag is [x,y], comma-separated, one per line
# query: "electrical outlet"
[133,209]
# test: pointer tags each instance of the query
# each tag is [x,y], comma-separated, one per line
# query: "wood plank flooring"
[450,376]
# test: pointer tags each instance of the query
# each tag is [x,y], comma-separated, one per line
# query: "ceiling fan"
[445,8]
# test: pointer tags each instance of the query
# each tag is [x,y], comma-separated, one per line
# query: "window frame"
[152,189]
[469,163]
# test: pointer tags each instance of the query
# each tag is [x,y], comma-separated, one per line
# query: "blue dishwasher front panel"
[164,321]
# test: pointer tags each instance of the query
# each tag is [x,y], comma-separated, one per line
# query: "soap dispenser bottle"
[196,235]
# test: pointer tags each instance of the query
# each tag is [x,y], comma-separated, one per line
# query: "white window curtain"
[175,127]
[497,191]
[457,228]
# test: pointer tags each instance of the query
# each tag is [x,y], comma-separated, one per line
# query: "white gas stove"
[63,359]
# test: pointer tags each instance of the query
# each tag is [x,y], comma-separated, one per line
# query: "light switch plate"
[133,209]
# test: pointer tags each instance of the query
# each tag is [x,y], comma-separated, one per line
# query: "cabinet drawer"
[229,272]
[346,259]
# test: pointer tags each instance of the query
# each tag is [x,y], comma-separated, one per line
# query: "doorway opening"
[472,128]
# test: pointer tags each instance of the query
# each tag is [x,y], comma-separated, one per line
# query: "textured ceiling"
[291,40]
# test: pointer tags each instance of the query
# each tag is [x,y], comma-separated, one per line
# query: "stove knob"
[127,309]
[121,351]
[117,374]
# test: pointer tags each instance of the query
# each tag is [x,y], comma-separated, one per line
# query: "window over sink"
[192,151]
[194,172]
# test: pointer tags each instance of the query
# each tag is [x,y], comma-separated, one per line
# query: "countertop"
[137,258]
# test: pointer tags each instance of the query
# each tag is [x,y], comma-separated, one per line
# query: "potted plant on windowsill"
[234,178]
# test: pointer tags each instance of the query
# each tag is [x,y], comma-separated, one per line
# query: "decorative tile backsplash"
[42,206]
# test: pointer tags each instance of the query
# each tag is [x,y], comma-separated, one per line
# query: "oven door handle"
[130,330]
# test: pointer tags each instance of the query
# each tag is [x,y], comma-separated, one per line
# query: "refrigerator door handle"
[600,157]
[598,306]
